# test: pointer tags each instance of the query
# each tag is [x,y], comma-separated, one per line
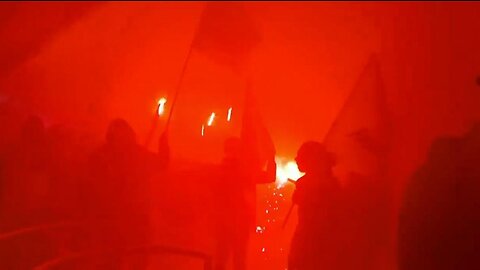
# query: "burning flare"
[161,106]
[210,120]
[286,169]
[229,116]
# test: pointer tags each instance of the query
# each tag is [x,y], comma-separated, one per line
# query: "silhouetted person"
[314,244]
[468,202]
[25,173]
[65,161]
[439,226]
[119,205]
[24,196]
[366,222]
[235,199]
[235,202]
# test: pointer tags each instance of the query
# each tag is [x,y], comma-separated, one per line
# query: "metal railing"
[59,261]
[149,249]
[35,229]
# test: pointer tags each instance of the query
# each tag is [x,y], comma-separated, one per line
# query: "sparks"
[203,130]
[229,116]
[286,170]
[161,106]
[210,120]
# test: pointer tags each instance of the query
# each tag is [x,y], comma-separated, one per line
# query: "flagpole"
[287,217]
[184,69]
[178,86]
[151,132]
[179,83]
[175,98]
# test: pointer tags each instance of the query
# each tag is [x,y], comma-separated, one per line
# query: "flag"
[26,27]
[360,135]
[360,140]
[258,145]
[226,34]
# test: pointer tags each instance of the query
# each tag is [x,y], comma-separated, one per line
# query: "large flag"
[360,139]
[360,135]
[226,34]
[26,27]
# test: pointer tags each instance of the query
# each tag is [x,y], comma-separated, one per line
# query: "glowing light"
[210,120]
[161,106]
[286,170]
[274,201]
[229,116]
[203,130]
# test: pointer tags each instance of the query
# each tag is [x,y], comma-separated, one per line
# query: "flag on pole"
[258,145]
[360,135]
[226,34]
[360,139]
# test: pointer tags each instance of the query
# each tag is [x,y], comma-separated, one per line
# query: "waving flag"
[360,135]
[26,27]
[360,139]
[226,34]
[258,145]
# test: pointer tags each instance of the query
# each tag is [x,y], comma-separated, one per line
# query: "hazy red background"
[85,63]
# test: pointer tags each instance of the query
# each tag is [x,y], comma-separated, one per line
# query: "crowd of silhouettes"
[53,174]
[439,225]
[439,222]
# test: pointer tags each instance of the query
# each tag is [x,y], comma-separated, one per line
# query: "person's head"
[120,134]
[314,157]
[232,148]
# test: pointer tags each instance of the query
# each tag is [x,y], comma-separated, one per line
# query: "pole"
[177,90]
[179,84]
[175,98]
[151,132]
[288,216]
[184,68]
